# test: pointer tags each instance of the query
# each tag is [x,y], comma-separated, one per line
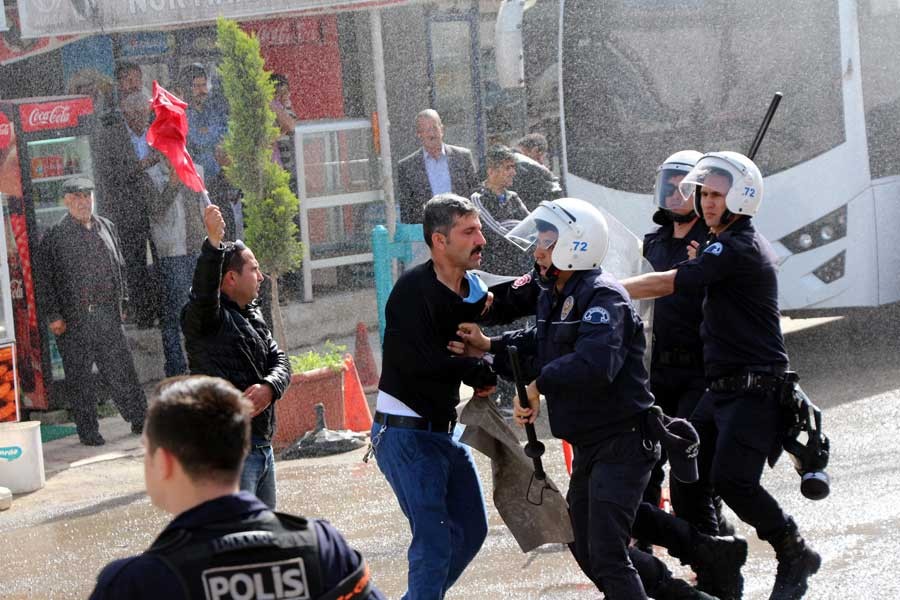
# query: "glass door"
[51,162]
[453,71]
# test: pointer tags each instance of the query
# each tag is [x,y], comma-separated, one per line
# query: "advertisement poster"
[9,397]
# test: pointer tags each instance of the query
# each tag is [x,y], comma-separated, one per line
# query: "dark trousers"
[143,288]
[677,392]
[738,431]
[97,337]
[608,479]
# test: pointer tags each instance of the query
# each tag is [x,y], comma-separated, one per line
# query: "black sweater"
[421,317]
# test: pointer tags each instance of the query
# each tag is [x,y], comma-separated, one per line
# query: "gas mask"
[810,457]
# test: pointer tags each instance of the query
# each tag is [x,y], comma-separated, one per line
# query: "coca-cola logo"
[279,33]
[59,115]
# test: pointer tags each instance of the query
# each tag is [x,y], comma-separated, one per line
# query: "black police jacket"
[676,317]
[588,348]
[422,316]
[741,321]
[224,340]
[233,545]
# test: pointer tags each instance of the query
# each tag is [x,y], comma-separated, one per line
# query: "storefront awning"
[42,18]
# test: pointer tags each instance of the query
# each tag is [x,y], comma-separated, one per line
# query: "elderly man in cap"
[80,289]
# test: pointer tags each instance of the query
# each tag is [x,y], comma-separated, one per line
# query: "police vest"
[270,557]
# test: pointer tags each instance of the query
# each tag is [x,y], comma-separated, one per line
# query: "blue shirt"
[141,147]
[438,170]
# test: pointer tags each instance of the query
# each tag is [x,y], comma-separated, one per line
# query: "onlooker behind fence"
[435,168]
[223,543]
[285,118]
[534,182]
[176,226]
[124,195]
[226,336]
[207,114]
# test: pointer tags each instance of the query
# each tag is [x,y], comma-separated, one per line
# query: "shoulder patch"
[566,308]
[521,281]
[596,315]
[714,249]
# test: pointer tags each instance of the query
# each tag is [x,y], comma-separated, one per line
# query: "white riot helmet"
[666,195]
[577,228]
[733,175]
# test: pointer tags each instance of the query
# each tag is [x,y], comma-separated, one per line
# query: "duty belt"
[405,422]
[747,381]
[679,358]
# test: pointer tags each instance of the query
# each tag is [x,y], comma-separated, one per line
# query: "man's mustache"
[476,250]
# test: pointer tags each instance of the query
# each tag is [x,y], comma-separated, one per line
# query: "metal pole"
[384,124]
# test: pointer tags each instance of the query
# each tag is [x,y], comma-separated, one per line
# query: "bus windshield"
[644,78]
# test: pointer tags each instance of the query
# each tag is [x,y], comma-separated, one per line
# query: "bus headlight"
[825,230]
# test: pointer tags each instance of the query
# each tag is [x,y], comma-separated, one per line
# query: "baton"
[534,449]
[764,126]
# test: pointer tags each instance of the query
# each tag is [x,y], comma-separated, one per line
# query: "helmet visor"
[708,174]
[541,228]
[666,192]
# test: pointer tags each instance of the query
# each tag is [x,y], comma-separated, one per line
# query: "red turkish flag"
[168,134]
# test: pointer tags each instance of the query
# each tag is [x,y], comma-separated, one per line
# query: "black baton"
[534,449]
[764,126]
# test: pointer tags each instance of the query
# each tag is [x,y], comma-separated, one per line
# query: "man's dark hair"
[278,79]
[720,172]
[234,259]
[442,211]
[204,422]
[533,141]
[125,67]
[498,155]
[192,72]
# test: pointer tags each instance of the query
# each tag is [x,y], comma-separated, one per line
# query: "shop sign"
[5,132]
[40,18]
[54,115]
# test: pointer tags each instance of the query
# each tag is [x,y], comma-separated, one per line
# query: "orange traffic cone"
[357,416]
[365,360]
[567,455]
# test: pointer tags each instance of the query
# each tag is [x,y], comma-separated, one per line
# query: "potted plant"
[318,378]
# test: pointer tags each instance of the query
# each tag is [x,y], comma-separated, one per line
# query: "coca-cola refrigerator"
[43,142]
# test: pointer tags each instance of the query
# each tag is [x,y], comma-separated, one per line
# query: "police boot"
[725,526]
[678,589]
[717,561]
[796,563]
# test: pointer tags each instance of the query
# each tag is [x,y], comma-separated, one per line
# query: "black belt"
[404,422]
[679,358]
[746,381]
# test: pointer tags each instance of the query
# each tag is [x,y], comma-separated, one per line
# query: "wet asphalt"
[56,540]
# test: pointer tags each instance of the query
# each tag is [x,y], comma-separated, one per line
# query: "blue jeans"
[175,274]
[437,486]
[258,476]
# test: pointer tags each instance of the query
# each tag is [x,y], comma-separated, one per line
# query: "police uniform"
[738,418]
[676,372]
[235,547]
[80,280]
[587,349]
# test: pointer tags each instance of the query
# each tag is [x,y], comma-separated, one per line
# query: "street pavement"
[93,508]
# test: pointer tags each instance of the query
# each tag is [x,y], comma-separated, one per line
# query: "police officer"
[81,288]
[738,418]
[223,543]
[676,371]
[586,353]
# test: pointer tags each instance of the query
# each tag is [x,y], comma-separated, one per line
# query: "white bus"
[641,79]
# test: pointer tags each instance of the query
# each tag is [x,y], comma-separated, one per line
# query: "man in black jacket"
[432,474]
[226,336]
[534,182]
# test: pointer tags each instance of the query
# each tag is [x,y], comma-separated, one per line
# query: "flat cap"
[77,184]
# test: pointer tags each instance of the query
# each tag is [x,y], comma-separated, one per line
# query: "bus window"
[879,48]
[643,79]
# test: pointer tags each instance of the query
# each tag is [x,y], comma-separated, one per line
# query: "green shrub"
[332,357]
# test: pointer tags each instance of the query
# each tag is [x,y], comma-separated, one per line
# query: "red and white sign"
[59,114]
[5,132]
